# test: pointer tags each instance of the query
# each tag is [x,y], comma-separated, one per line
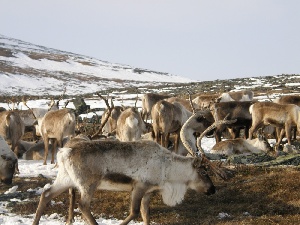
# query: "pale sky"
[197,39]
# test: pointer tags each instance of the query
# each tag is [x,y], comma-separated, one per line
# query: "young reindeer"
[138,167]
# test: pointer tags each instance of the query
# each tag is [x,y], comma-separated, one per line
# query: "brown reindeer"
[168,118]
[185,102]
[148,101]
[288,99]
[54,126]
[110,126]
[231,111]
[204,101]
[12,127]
[283,116]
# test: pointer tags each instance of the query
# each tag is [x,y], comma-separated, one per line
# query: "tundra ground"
[256,195]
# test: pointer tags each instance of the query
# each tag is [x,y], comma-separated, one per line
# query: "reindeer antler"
[222,172]
[110,108]
[24,101]
[191,102]
[211,127]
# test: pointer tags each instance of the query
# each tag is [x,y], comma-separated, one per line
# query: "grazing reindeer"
[130,125]
[279,115]
[8,162]
[139,167]
[231,111]
[12,127]
[168,118]
[56,125]
[148,101]
[242,146]
[241,96]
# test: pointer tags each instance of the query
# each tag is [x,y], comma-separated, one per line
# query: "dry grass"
[254,196]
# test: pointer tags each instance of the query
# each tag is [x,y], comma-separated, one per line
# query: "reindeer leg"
[136,197]
[145,212]
[84,204]
[288,131]
[281,135]
[246,132]
[54,146]
[218,134]
[46,143]
[253,129]
[46,197]
[70,219]
[176,142]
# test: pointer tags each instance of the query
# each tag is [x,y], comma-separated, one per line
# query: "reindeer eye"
[11,165]
[203,173]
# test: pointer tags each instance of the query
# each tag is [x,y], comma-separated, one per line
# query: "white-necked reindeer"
[139,167]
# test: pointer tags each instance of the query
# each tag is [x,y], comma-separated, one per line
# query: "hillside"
[27,68]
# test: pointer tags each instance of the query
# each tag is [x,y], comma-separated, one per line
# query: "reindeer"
[139,167]
[110,126]
[231,111]
[244,95]
[168,118]
[148,101]
[242,146]
[288,99]
[186,103]
[283,116]
[12,127]
[54,126]
[130,125]
[204,101]
[8,162]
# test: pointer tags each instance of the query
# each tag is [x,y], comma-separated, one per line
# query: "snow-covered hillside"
[26,68]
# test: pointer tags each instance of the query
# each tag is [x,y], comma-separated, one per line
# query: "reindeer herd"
[157,149]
